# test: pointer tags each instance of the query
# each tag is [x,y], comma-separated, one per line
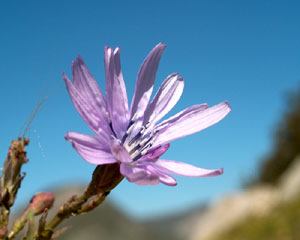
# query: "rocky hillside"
[283,223]
[255,203]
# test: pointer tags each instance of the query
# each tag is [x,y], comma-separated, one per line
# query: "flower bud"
[11,175]
[40,202]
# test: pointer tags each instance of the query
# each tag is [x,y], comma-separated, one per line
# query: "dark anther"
[135,138]
[111,128]
[137,157]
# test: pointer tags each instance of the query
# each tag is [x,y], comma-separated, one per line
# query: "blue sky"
[246,52]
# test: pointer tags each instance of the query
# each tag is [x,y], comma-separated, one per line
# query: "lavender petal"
[191,122]
[165,99]
[119,152]
[139,175]
[85,83]
[145,81]
[167,180]
[187,111]
[93,118]
[147,180]
[155,153]
[87,140]
[117,102]
[185,169]
[93,155]
[132,173]
[163,176]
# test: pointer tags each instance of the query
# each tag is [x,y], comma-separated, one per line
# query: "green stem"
[31,226]
[105,178]
[18,225]
[4,221]
[68,209]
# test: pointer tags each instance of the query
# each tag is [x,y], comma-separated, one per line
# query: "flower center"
[141,142]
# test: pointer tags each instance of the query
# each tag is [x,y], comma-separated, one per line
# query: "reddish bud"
[40,202]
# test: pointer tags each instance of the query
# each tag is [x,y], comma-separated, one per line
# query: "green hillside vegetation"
[286,143]
[282,224]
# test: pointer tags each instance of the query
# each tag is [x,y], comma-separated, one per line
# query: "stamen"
[134,138]
[142,152]
[126,134]
[132,151]
[124,138]
[145,141]
[137,157]
[134,117]
[149,144]
[137,136]
[132,121]
[140,145]
[145,150]
[146,128]
[111,128]
[143,129]
[135,148]
[108,117]
[129,128]
[155,136]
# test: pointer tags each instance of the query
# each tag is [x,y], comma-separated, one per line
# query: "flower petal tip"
[229,106]
[180,79]
[160,47]
[160,44]
[107,50]
[79,59]
[171,184]
[117,50]
[67,137]
[65,78]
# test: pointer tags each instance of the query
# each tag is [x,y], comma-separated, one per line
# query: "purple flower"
[133,137]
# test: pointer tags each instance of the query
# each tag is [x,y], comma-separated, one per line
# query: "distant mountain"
[107,222]
[176,226]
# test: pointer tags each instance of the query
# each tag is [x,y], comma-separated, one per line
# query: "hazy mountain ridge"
[179,224]
[108,222]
